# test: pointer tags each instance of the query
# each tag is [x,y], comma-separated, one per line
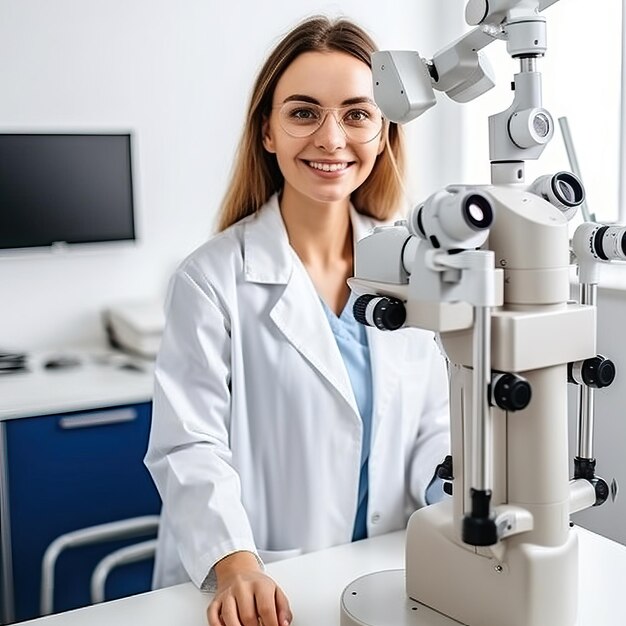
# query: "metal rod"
[586,408]
[482,427]
[528,64]
[585,422]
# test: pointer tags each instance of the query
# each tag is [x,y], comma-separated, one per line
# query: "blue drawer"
[67,472]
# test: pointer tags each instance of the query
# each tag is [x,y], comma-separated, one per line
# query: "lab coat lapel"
[387,348]
[309,332]
[388,355]
[298,313]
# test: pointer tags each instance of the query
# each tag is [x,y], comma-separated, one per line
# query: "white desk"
[314,583]
[102,379]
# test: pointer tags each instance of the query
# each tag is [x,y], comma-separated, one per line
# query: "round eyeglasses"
[361,122]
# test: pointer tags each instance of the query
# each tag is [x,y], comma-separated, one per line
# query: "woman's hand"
[246,596]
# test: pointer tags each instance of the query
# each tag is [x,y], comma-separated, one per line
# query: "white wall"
[176,73]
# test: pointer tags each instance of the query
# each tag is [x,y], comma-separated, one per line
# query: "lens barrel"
[382,312]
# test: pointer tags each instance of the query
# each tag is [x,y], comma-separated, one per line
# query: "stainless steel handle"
[99,418]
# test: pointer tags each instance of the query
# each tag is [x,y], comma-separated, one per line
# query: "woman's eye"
[356,115]
[303,114]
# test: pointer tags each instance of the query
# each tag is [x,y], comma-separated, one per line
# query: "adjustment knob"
[380,311]
[596,372]
[444,469]
[479,526]
[510,392]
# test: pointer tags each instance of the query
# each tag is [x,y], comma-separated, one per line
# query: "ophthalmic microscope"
[487,269]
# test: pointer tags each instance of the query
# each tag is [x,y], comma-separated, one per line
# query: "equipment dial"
[382,312]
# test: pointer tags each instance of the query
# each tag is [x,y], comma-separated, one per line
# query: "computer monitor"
[60,189]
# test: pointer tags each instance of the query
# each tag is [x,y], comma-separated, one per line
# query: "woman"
[280,425]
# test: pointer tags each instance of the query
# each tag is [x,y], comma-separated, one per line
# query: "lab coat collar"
[298,313]
[269,257]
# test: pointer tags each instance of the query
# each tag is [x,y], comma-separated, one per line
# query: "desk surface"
[102,379]
[314,583]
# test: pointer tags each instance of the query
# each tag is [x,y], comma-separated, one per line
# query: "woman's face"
[327,166]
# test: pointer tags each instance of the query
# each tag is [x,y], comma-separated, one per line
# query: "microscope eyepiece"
[455,218]
[478,212]
[563,190]
[566,190]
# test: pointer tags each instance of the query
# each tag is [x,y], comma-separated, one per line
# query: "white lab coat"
[256,436]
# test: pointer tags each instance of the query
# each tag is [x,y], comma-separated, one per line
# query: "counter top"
[314,583]
[101,379]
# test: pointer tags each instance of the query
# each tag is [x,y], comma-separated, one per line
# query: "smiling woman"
[335,155]
[270,399]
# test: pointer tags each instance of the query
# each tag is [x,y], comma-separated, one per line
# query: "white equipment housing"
[487,268]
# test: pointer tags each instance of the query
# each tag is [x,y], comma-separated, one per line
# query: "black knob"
[380,311]
[444,469]
[479,526]
[600,372]
[596,372]
[510,392]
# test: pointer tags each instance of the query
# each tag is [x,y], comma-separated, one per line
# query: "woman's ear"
[268,140]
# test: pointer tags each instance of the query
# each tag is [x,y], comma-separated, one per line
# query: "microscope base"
[532,585]
[380,599]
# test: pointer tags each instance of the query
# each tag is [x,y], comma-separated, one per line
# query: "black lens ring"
[597,243]
[485,207]
[420,224]
[359,308]
[573,182]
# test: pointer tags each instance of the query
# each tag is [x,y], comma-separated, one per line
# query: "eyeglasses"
[360,122]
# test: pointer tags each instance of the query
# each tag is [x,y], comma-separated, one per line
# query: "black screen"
[65,188]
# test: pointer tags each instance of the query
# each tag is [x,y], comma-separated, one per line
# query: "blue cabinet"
[66,472]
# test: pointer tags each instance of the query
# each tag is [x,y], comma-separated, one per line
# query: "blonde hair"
[256,175]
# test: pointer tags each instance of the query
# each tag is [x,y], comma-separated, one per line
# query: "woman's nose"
[330,135]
